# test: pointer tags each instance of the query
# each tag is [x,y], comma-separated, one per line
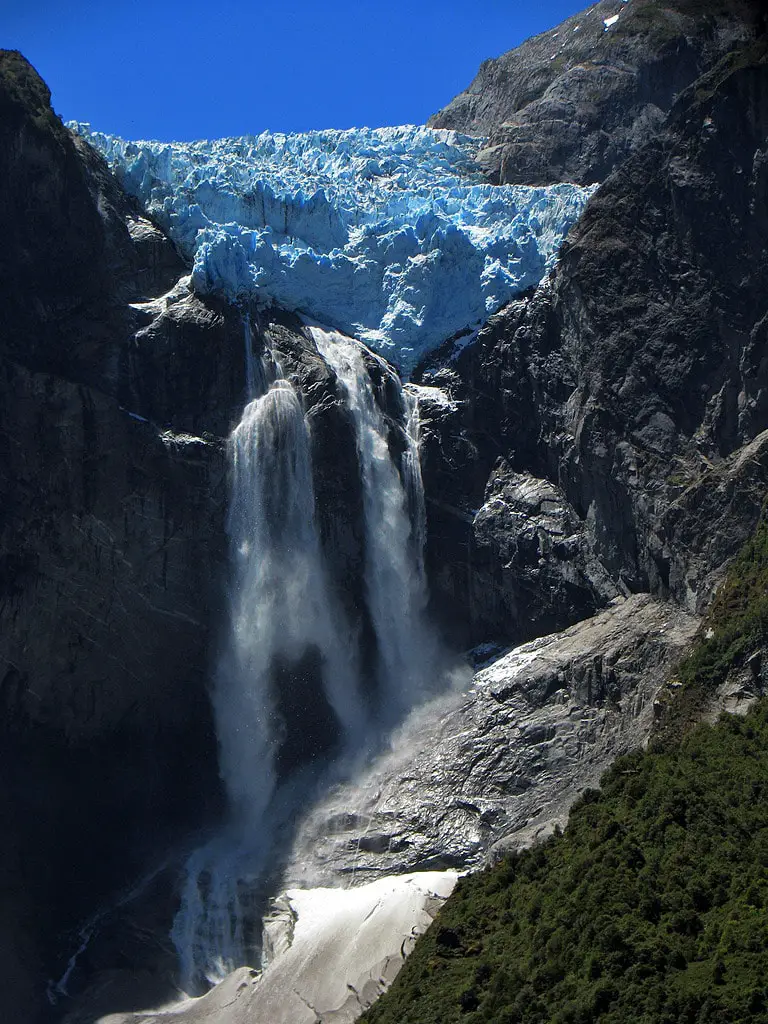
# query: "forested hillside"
[651,906]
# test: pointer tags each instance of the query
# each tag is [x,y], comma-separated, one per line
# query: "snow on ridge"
[390,234]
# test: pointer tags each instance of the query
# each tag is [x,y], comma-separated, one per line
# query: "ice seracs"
[391,235]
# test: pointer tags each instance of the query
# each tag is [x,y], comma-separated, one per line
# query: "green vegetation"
[652,907]
[735,628]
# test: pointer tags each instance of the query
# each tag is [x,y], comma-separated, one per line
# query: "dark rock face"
[507,554]
[633,379]
[532,564]
[117,386]
[573,103]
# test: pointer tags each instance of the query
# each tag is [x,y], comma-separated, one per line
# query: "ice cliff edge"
[389,234]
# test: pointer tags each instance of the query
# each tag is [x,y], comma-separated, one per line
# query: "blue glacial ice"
[390,235]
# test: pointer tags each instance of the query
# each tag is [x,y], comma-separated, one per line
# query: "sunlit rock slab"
[391,235]
[330,953]
[503,761]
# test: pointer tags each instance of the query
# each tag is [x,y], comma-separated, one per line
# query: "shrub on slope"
[735,629]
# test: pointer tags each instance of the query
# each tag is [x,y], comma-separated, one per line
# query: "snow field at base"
[391,234]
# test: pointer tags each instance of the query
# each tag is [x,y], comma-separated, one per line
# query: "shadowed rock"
[632,380]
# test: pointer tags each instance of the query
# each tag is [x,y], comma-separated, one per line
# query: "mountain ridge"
[572,103]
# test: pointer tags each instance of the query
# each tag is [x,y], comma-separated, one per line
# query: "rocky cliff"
[113,414]
[119,387]
[572,103]
[606,435]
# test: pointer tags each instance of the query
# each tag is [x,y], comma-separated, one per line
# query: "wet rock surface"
[503,761]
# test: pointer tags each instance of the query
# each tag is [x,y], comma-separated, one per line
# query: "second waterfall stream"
[289,642]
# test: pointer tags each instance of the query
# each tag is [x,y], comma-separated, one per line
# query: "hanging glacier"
[390,235]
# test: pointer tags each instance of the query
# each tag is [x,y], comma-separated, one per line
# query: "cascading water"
[283,624]
[290,652]
[282,608]
[394,532]
[414,485]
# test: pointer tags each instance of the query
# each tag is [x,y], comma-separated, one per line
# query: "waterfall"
[284,628]
[250,362]
[414,485]
[288,690]
[394,530]
[282,610]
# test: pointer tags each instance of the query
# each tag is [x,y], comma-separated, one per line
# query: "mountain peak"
[571,103]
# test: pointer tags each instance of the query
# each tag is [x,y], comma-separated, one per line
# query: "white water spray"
[394,532]
[282,606]
[286,631]
[281,611]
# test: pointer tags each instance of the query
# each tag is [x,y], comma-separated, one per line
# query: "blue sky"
[184,69]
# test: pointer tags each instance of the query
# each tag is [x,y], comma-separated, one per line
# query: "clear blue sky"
[184,69]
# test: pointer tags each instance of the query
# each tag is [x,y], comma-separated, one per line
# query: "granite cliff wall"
[605,435]
[571,104]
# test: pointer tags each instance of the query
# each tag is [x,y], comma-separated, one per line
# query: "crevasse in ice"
[389,234]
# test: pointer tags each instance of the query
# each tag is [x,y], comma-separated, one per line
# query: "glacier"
[390,235]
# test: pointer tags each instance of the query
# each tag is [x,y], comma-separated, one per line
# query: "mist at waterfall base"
[295,711]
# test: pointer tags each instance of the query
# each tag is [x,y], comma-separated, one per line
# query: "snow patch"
[339,950]
[347,945]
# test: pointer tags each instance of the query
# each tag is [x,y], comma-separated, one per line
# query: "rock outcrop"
[503,761]
[632,385]
[572,103]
